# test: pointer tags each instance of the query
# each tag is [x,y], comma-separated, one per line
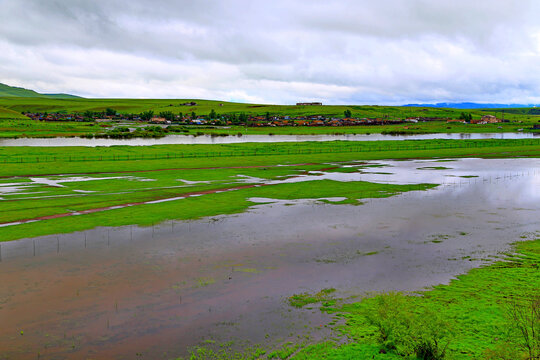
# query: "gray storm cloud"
[386,52]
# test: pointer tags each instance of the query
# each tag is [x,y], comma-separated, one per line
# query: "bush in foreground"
[424,334]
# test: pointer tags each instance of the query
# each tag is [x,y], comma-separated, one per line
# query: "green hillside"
[203,107]
[10,114]
[6,90]
[61,96]
[12,91]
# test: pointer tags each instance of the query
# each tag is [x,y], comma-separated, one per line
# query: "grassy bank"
[16,128]
[431,127]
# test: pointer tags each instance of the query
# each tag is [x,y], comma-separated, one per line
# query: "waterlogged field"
[43,190]
[148,197]
[149,258]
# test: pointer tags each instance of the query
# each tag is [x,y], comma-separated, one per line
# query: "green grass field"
[11,114]
[14,128]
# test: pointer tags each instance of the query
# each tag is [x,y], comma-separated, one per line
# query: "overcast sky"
[337,52]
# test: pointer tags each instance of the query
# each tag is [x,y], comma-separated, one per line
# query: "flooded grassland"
[153,291]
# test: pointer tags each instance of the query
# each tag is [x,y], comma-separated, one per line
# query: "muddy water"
[233,138]
[151,292]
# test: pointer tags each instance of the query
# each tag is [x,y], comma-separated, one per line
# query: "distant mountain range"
[471,105]
[11,91]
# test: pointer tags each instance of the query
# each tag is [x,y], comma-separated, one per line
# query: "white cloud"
[389,51]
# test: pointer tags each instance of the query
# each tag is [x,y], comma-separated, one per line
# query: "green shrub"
[423,333]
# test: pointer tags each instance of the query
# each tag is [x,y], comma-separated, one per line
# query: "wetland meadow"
[333,249]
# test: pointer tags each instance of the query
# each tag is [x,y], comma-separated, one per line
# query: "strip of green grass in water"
[207,205]
[300,300]
[475,304]
[129,188]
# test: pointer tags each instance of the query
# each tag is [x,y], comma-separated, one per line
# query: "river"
[234,139]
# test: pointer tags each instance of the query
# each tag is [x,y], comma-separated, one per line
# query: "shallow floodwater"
[234,139]
[151,292]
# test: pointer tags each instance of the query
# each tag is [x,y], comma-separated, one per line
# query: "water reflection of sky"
[463,171]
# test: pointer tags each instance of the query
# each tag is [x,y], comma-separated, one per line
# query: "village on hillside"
[242,119]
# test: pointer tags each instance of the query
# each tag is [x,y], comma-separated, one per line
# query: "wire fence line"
[291,150]
[128,235]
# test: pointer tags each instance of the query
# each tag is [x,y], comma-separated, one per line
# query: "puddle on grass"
[116,292]
[19,188]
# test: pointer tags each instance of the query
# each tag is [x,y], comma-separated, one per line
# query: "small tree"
[524,317]
[243,118]
[146,115]
[110,112]
[465,116]
[88,114]
[212,114]
[167,115]
[233,119]
[347,113]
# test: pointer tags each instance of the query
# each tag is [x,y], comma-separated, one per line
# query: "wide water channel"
[234,139]
[151,292]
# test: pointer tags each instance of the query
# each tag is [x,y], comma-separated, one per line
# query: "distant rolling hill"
[62,96]
[12,91]
[470,105]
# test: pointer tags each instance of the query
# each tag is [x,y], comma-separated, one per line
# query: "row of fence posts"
[85,233]
[368,200]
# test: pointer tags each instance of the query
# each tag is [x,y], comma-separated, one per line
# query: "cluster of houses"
[486,119]
[54,117]
[255,121]
[318,120]
[79,117]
